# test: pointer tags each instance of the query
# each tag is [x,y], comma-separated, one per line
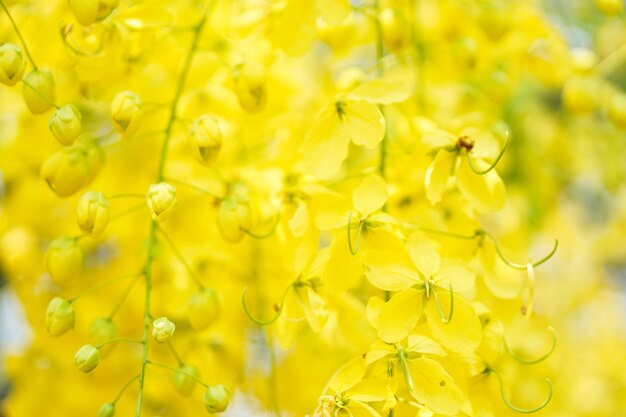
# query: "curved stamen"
[524,410]
[405,370]
[353,249]
[521,267]
[269,321]
[492,166]
[537,360]
[441,316]
[530,274]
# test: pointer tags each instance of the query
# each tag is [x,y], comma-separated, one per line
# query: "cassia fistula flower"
[161,199]
[126,112]
[216,398]
[163,329]
[205,139]
[39,90]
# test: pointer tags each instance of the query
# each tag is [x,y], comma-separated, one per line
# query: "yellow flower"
[65,124]
[348,392]
[617,110]
[92,213]
[205,139]
[38,90]
[161,200]
[59,316]
[87,358]
[126,112]
[421,266]
[326,143]
[427,381]
[64,259]
[12,64]
[462,157]
[216,398]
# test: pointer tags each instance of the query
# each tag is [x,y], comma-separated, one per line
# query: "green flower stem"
[19,34]
[124,388]
[159,178]
[128,195]
[171,368]
[127,211]
[380,70]
[40,94]
[175,353]
[194,187]
[120,303]
[120,339]
[103,284]
[180,257]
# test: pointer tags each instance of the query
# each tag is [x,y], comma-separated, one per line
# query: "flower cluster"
[253,195]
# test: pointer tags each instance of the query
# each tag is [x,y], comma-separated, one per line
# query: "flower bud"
[161,200]
[216,398]
[163,329]
[39,90]
[63,259]
[250,86]
[12,64]
[183,382]
[203,308]
[206,139]
[93,154]
[87,358]
[65,124]
[232,218]
[59,316]
[126,112]
[92,213]
[107,410]
[101,331]
[617,110]
[395,30]
[67,171]
[85,11]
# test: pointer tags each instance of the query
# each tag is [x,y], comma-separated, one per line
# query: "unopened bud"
[233,217]
[67,171]
[395,30]
[63,259]
[65,124]
[203,308]
[12,64]
[92,213]
[205,139]
[59,316]
[183,379]
[87,358]
[161,200]
[39,90]
[250,86]
[107,410]
[216,398]
[163,329]
[126,111]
